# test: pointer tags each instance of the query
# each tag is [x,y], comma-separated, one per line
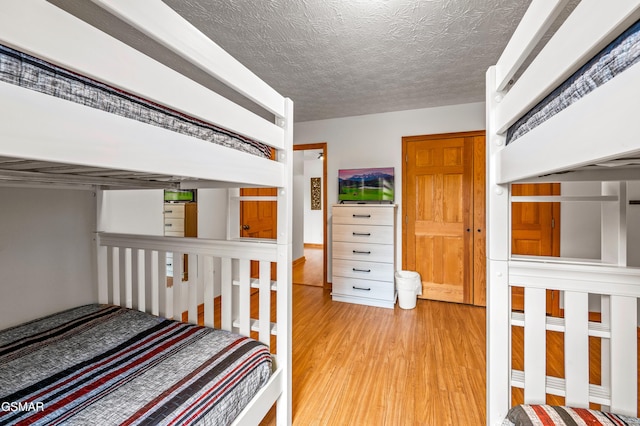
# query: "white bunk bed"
[581,143]
[61,144]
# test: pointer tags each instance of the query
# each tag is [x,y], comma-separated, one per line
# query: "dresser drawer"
[364,252]
[363,288]
[174,211]
[173,233]
[363,234]
[175,225]
[364,215]
[363,270]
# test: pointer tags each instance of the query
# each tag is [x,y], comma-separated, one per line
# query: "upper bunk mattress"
[27,71]
[103,364]
[619,55]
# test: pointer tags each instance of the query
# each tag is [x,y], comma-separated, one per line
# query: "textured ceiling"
[339,58]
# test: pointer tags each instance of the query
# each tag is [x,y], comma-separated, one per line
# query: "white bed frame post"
[498,247]
[613,249]
[101,251]
[285,253]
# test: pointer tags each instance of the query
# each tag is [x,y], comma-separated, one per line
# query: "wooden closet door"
[439,229]
[535,231]
[259,219]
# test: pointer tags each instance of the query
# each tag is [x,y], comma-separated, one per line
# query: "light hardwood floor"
[310,271]
[361,365]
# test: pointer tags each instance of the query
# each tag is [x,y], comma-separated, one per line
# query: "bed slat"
[264,310]
[576,349]
[140,265]
[624,356]
[244,310]
[209,313]
[127,277]
[177,288]
[115,275]
[160,290]
[227,293]
[605,345]
[535,346]
[193,286]
[149,277]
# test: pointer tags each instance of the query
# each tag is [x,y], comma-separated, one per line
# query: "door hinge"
[553,223]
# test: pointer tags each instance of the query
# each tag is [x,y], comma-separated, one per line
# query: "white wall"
[212,223]
[133,211]
[580,222]
[46,252]
[376,141]
[580,226]
[313,229]
[212,213]
[297,249]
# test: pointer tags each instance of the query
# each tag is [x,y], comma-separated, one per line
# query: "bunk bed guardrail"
[569,146]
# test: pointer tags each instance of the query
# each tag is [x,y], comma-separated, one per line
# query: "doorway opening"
[311,205]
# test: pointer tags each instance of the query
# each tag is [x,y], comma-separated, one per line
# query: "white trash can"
[409,286]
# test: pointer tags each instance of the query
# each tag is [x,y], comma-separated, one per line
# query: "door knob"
[245,227]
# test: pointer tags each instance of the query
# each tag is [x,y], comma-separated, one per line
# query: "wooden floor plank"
[356,365]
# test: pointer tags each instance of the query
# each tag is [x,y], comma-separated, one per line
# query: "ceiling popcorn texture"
[339,58]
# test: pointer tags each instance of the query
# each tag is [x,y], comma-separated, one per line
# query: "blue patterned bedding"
[108,365]
[26,71]
[618,56]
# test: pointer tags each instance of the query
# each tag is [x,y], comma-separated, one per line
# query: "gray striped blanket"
[103,364]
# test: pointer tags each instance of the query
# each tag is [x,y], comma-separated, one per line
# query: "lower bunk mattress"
[551,415]
[103,364]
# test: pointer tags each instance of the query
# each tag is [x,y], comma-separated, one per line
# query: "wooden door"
[258,219]
[535,230]
[439,230]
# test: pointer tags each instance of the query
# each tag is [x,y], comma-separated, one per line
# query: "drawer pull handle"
[361,288]
[361,270]
[366,216]
[361,234]
[361,252]
[168,211]
[168,225]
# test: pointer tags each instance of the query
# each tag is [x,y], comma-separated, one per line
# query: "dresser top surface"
[367,205]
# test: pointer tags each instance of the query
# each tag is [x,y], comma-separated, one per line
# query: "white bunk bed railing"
[133,273]
[619,290]
[100,139]
[589,28]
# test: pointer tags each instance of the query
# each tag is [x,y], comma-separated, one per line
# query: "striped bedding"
[32,73]
[551,415]
[618,56]
[108,365]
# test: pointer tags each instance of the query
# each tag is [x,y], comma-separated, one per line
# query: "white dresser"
[364,253]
